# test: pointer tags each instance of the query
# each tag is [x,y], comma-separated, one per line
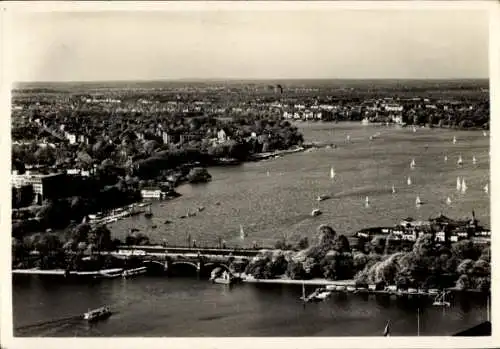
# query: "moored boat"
[322,197]
[316,212]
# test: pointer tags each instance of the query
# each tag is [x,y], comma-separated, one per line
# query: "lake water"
[279,204]
[187,307]
[269,207]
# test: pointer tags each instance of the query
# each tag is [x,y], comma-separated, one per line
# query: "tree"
[341,244]
[303,243]
[325,236]
[465,249]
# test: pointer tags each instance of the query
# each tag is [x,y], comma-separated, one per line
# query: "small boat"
[454,140]
[440,300]
[332,173]
[167,222]
[201,208]
[268,173]
[408,181]
[217,203]
[154,226]
[414,129]
[448,200]
[348,138]
[322,197]
[459,184]
[322,295]
[486,189]
[97,314]
[474,160]
[485,133]
[460,161]
[136,271]
[418,202]
[367,202]
[316,212]
[445,158]
[183,216]
[412,164]
[393,189]
[225,279]
[191,214]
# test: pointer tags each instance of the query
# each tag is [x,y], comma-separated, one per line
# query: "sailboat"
[367,202]
[448,200]
[459,184]
[414,129]
[332,173]
[474,161]
[418,202]
[464,186]
[409,181]
[445,158]
[348,138]
[393,189]
[485,133]
[486,188]
[412,164]
[387,329]
[242,233]
[267,173]
[440,300]
[460,161]
[454,140]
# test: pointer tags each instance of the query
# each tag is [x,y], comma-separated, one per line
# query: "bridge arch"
[194,265]
[212,265]
[153,261]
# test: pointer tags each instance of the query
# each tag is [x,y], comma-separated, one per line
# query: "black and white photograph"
[239,170]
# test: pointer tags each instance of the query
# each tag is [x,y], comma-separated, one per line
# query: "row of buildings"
[442,228]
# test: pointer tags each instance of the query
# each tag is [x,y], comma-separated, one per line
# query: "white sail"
[367,201]
[418,202]
[454,140]
[393,189]
[412,164]
[242,233]
[414,129]
[332,173]
[348,138]
[445,158]
[485,133]
[460,161]
[268,173]
[459,184]
[486,189]
[474,160]
[464,186]
[448,200]
[408,181]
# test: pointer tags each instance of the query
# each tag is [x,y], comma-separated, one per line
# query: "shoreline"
[313,282]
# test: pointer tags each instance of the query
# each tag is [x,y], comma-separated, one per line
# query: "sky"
[343,44]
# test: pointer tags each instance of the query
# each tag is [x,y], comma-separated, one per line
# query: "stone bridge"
[173,259]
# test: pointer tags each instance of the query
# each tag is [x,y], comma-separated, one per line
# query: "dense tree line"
[426,265]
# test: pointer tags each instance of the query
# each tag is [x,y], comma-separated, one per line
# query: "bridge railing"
[190,248]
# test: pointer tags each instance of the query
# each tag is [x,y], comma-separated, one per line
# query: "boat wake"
[52,322]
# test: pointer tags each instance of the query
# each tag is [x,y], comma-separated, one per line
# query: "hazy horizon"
[251,45]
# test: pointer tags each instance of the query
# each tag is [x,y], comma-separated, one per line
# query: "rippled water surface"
[268,207]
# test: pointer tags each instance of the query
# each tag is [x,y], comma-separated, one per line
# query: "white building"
[152,193]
